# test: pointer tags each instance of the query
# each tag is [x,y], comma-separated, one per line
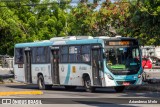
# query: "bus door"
[96,65]
[28,75]
[55,65]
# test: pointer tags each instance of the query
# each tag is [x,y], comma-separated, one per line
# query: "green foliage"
[141,21]
[10,30]
[21,23]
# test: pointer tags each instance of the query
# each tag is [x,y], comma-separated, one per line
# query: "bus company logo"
[82,68]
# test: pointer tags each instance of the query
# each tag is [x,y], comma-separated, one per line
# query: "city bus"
[90,62]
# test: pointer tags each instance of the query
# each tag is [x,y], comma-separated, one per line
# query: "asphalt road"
[58,96]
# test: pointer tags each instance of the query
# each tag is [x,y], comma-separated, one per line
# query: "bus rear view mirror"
[106,54]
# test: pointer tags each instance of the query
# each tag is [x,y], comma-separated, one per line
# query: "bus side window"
[19,55]
[85,53]
[78,54]
[40,55]
[64,54]
[38,58]
[85,57]
[79,57]
[34,55]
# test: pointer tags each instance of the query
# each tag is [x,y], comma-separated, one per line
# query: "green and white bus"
[74,61]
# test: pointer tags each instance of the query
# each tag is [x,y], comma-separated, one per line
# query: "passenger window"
[19,55]
[64,54]
[40,55]
[75,54]
[86,53]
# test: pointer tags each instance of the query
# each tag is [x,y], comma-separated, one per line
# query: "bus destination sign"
[120,43]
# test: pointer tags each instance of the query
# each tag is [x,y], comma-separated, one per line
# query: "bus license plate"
[126,83]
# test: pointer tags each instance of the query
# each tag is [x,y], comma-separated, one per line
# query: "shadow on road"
[86,98]
[101,104]
[61,88]
[98,102]
[24,86]
[99,91]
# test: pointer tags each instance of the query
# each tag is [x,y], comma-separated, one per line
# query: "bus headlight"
[110,77]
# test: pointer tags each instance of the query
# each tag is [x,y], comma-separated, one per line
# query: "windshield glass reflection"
[123,58]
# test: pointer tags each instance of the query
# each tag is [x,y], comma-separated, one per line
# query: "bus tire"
[70,87]
[41,83]
[87,84]
[119,89]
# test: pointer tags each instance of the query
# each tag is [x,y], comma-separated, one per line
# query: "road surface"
[103,97]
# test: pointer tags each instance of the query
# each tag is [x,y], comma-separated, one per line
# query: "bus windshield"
[123,58]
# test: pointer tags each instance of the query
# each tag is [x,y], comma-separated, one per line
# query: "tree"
[30,20]
[140,20]
[10,31]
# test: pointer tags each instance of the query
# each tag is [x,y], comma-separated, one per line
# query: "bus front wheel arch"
[87,84]
[41,83]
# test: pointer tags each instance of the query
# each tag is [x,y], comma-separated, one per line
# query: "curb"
[21,93]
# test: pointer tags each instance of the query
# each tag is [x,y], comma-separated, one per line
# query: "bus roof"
[34,44]
[72,40]
[114,38]
[84,41]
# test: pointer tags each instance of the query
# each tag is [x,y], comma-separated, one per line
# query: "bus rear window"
[19,55]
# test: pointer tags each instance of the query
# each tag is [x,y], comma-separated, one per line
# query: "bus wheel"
[41,83]
[119,89]
[70,87]
[87,85]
